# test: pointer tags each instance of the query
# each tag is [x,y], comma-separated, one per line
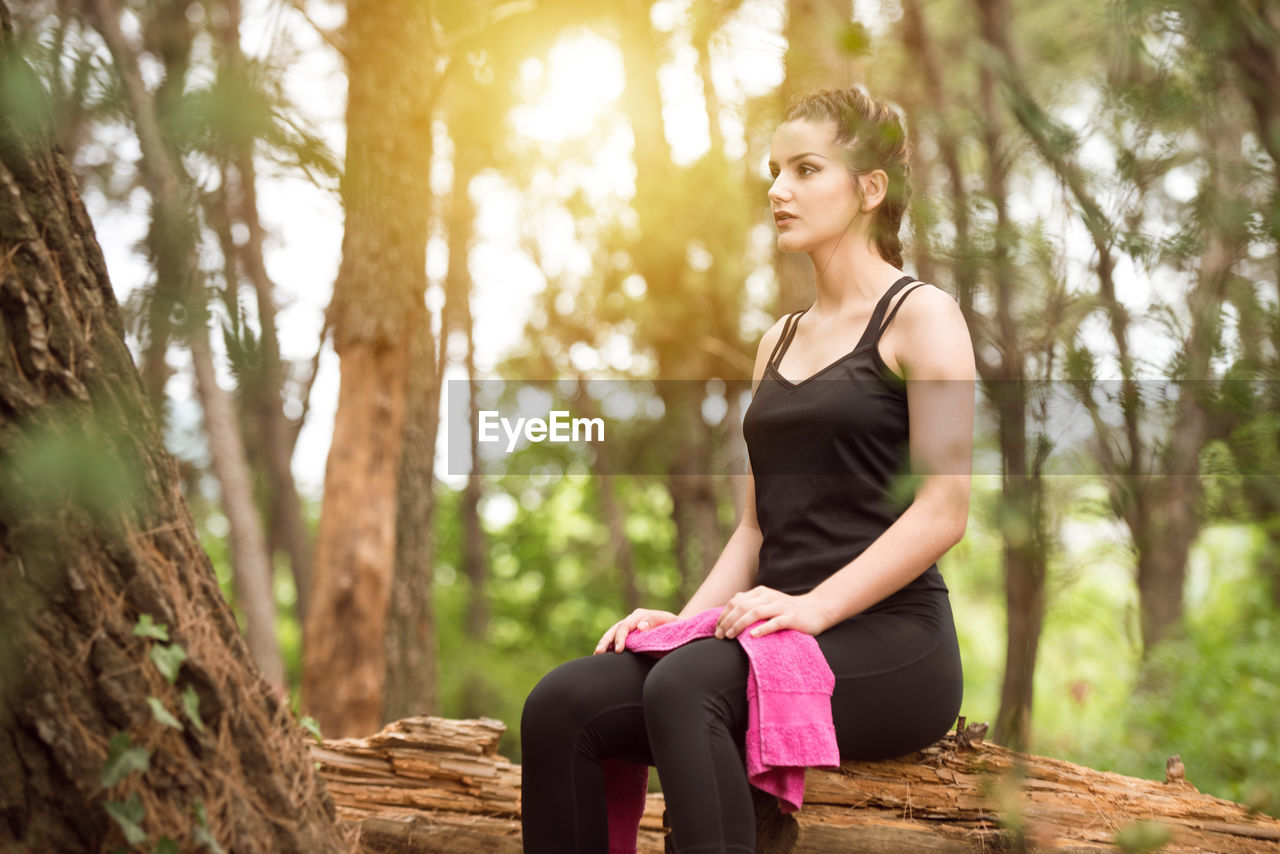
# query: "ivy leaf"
[201,832]
[129,815]
[162,714]
[169,659]
[148,628]
[312,726]
[191,706]
[166,846]
[123,759]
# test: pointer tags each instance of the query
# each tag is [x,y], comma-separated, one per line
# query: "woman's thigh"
[594,702]
[898,680]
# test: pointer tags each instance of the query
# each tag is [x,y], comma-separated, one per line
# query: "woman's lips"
[785,219]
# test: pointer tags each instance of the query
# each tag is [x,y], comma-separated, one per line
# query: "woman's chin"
[787,243]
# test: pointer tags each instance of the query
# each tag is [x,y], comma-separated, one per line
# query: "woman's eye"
[804,167]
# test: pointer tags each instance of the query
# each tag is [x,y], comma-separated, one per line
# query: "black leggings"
[898,689]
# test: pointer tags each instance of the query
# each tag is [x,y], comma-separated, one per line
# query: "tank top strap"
[885,325]
[784,340]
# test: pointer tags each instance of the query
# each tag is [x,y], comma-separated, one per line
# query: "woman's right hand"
[637,621]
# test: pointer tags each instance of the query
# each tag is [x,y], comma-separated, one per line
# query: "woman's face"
[812,184]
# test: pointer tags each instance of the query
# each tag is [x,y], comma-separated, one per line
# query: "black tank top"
[829,454]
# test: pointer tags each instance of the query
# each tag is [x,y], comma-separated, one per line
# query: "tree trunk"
[94,533]
[377,303]
[251,563]
[438,786]
[411,635]
[173,238]
[277,447]
[1022,495]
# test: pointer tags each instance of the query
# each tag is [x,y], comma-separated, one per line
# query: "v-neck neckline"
[877,315]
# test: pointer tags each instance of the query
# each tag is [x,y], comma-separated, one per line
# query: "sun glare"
[580,79]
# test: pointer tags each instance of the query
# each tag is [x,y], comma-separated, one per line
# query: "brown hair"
[872,135]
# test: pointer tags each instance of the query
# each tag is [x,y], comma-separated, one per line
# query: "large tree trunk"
[94,533]
[377,303]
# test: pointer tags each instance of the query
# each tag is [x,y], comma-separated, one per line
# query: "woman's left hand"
[779,611]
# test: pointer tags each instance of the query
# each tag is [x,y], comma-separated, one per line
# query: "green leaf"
[129,815]
[123,759]
[148,628]
[166,846]
[169,659]
[201,833]
[162,714]
[312,726]
[191,706]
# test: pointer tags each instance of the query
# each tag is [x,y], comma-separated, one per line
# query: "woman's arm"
[936,355]
[735,569]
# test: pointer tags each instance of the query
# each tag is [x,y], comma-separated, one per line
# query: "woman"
[827,543]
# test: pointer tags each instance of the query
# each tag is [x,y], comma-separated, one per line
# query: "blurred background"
[381,199]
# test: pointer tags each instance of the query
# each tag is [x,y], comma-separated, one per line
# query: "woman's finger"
[604,641]
[769,626]
[607,638]
[625,627]
[748,617]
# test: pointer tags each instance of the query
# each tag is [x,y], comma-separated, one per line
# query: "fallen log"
[429,784]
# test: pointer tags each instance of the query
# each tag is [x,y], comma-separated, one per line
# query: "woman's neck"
[849,280]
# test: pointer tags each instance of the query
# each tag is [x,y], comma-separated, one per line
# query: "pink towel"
[789,685]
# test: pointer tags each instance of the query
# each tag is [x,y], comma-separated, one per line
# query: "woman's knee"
[578,690]
[703,677]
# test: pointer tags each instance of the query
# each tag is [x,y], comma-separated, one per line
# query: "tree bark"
[377,303]
[433,785]
[94,533]
[411,628]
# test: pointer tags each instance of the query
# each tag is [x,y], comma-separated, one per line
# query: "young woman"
[848,395]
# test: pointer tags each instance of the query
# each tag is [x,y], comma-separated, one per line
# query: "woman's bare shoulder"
[934,336]
[767,342]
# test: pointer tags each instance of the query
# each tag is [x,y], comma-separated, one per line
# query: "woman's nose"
[778,190]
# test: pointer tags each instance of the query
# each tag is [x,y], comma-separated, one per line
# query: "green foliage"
[128,814]
[146,627]
[191,707]
[63,460]
[1210,692]
[122,760]
[163,715]
[553,587]
[168,659]
[312,726]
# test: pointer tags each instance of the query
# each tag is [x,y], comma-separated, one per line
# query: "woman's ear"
[875,184]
